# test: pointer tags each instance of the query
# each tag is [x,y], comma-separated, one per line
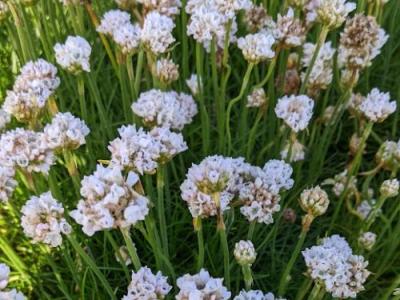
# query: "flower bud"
[124,255]
[167,71]
[257,98]
[367,240]
[244,253]
[314,201]
[390,188]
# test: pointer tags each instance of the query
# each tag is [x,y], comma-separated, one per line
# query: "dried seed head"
[289,30]
[256,18]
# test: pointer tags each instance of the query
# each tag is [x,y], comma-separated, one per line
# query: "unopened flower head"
[74,55]
[193,84]
[257,98]
[65,132]
[388,155]
[122,256]
[109,201]
[256,295]
[36,83]
[166,109]
[214,175]
[295,111]
[167,71]
[333,265]
[169,8]
[360,42]
[127,37]
[289,30]
[146,285]
[332,13]
[377,106]
[257,47]
[27,150]
[156,33]
[112,21]
[245,253]
[4,10]
[367,240]
[201,286]
[7,183]
[293,151]
[390,188]
[314,201]
[43,220]
[4,275]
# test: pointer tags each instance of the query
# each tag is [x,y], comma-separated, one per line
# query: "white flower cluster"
[65,132]
[109,201]
[5,118]
[257,98]
[165,109]
[377,106]
[169,8]
[289,30]
[27,150]
[7,183]
[256,295]
[74,55]
[112,21]
[43,220]
[147,286]
[167,71]
[360,42]
[257,47]
[36,83]
[4,278]
[333,264]
[244,253]
[321,74]
[331,13]
[142,151]
[157,32]
[388,155]
[296,111]
[201,286]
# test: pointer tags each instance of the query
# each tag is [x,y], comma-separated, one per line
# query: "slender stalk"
[270,71]
[161,208]
[131,248]
[247,276]
[314,292]
[250,233]
[198,227]
[253,132]
[113,243]
[81,93]
[138,75]
[70,163]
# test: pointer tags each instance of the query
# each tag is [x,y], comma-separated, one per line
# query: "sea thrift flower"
[278,175]
[43,220]
[27,150]
[7,183]
[65,132]
[339,182]
[169,143]
[4,275]
[193,84]
[257,98]
[244,253]
[146,285]
[289,30]
[127,37]
[256,18]
[365,208]
[169,8]
[332,13]
[388,155]
[156,33]
[109,201]
[321,74]
[355,103]
[367,240]
[256,295]
[314,201]
[360,42]
[4,10]
[167,71]
[4,278]
[296,111]
[201,286]
[333,265]
[5,118]
[112,21]
[257,47]
[293,151]
[74,55]
[390,188]
[166,109]
[377,106]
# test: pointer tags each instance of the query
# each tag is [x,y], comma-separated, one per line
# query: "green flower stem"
[304,288]
[220,100]
[253,131]
[315,292]
[70,163]
[138,75]
[270,71]
[115,247]
[131,75]
[185,42]
[124,80]
[374,213]
[161,209]
[198,227]
[247,276]
[233,102]
[131,248]
[321,40]
[250,233]
[82,100]
[92,266]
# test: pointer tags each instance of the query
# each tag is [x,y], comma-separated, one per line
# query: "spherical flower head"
[4,276]
[12,295]
[256,18]
[367,240]
[314,201]
[390,188]
[201,286]
[27,150]
[289,30]
[43,220]
[4,11]
[169,8]
[377,106]
[167,71]
[109,201]
[165,109]
[256,295]
[295,111]
[257,47]
[127,37]
[388,155]
[193,84]
[170,143]
[74,55]
[245,253]
[293,151]
[332,13]
[257,98]
[65,132]
[156,33]
[146,285]
[7,183]
[278,175]
[113,20]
